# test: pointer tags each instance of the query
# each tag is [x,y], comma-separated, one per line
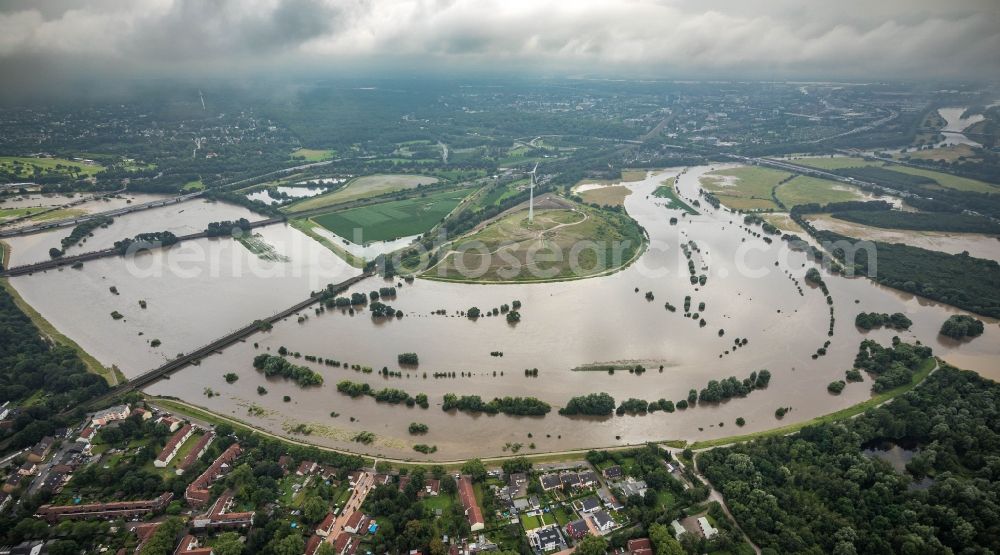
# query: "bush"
[594,404]
[836,387]
[960,326]
[408,359]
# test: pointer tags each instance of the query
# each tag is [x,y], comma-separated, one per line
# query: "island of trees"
[594,404]
[518,406]
[960,326]
[272,365]
[872,320]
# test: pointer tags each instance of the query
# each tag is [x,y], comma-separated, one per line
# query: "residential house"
[632,487]
[587,505]
[118,412]
[173,424]
[468,497]
[345,544]
[173,446]
[577,529]
[677,528]
[706,528]
[197,493]
[306,467]
[545,539]
[640,546]
[196,452]
[432,487]
[550,481]
[86,435]
[107,511]
[189,546]
[312,546]
[614,473]
[603,521]
[326,526]
[357,523]
[588,479]
[570,479]
[41,449]
[221,516]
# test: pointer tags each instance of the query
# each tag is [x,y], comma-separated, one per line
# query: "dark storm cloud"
[843,39]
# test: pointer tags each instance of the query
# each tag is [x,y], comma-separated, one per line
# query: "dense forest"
[956,279]
[30,365]
[921,221]
[819,491]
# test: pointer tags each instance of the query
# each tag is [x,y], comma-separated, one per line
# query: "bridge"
[64,261]
[109,213]
[144,380]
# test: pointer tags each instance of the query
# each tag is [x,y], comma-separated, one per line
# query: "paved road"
[363,486]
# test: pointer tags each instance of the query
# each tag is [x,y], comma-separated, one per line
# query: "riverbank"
[111,375]
[928,367]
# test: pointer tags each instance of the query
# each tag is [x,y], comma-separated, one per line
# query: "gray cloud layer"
[779,38]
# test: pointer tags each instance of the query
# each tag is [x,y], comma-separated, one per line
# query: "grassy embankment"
[112,375]
[925,370]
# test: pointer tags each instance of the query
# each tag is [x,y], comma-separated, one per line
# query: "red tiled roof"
[641,546]
[313,544]
[327,523]
[192,455]
[197,491]
[468,497]
[179,437]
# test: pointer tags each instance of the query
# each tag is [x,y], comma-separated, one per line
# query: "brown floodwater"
[567,325]
[195,292]
[181,219]
[88,207]
[976,244]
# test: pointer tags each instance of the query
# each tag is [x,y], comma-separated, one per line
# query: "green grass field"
[24,167]
[313,155]
[667,191]
[9,213]
[804,189]
[835,163]
[512,249]
[394,219]
[944,179]
[537,521]
[195,185]
[612,195]
[363,187]
[744,188]
[950,181]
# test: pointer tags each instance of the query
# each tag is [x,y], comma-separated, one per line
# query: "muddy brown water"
[564,325]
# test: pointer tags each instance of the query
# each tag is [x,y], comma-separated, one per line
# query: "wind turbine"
[531,195]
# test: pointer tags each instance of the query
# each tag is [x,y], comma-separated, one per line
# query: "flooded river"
[182,218]
[567,325]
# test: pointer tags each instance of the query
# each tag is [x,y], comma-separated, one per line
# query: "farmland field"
[364,187]
[744,188]
[612,195]
[24,167]
[804,189]
[394,219]
[313,155]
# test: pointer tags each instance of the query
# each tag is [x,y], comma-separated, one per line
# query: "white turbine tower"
[531,195]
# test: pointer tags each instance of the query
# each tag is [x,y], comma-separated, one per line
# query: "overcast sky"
[835,39]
